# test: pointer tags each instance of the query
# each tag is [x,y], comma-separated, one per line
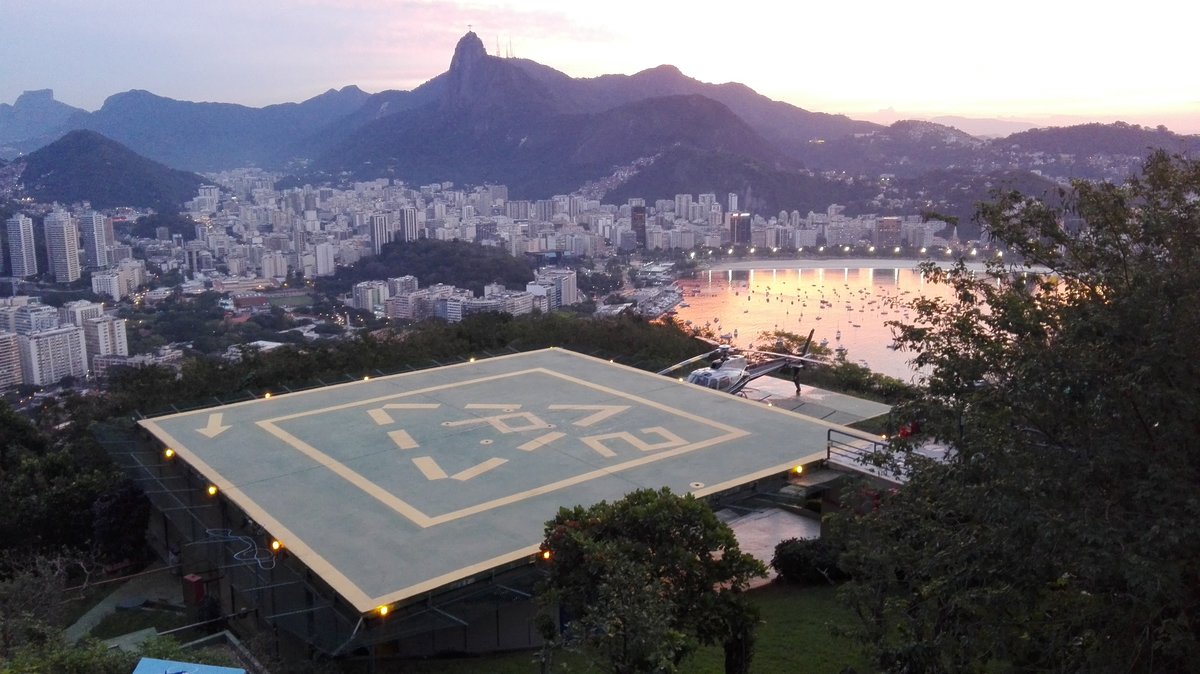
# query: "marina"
[848,307]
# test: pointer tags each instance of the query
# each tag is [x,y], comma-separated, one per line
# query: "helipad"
[400,485]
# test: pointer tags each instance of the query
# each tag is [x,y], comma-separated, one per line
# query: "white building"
[108,283]
[326,262]
[93,227]
[11,372]
[50,355]
[32,318]
[274,265]
[62,246]
[563,281]
[105,336]
[75,313]
[22,255]
[370,294]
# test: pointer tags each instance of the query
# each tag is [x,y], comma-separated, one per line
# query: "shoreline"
[826,263]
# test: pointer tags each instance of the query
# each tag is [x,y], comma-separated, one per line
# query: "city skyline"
[1045,63]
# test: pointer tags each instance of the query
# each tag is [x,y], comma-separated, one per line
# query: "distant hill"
[34,115]
[906,148]
[762,188]
[86,166]
[1118,138]
[212,136]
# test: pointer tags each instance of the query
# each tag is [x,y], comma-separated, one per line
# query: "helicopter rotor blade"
[804,351]
[687,362]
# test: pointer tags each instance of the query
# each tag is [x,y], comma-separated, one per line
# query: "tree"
[1063,531]
[644,579]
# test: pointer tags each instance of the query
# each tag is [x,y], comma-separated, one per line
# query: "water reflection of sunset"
[846,306]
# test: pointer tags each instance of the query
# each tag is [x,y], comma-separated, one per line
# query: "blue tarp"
[154,666]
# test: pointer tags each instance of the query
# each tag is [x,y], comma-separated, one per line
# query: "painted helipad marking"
[430,468]
[542,441]
[500,422]
[602,412]
[214,427]
[382,418]
[672,445]
[596,442]
[508,407]
[403,440]
[479,469]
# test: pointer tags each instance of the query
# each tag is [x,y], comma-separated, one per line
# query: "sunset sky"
[871,60]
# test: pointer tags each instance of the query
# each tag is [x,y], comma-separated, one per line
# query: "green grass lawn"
[794,638]
[124,622]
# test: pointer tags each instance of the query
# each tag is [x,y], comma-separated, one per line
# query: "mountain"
[906,148]
[86,166]
[214,136]
[1118,138]
[984,127]
[34,114]
[762,188]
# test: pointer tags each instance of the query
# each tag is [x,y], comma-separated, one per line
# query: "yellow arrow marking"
[214,427]
[432,471]
[403,440]
[429,468]
[479,469]
[381,417]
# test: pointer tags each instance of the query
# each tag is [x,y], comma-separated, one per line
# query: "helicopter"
[730,369]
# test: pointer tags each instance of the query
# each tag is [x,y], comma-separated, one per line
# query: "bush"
[807,562]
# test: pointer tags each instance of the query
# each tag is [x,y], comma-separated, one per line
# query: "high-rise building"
[739,228]
[11,372]
[326,263]
[402,284]
[62,246]
[95,240]
[370,294]
[31,318]
[637,221]
[105,336]
[733,202]
[683,206]
[382,231]
[50,355]
[274,265]
[887,231]
[22,255]
[75,313]
[108,283]
[407,228]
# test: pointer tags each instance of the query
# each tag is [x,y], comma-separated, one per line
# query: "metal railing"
[862,453]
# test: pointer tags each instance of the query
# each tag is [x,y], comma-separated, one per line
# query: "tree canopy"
[644,579]
[1063,531]
[467,265]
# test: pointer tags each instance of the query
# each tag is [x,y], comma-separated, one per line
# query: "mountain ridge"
[84,165]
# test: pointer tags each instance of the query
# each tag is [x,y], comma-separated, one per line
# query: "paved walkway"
[814,402]
[156,583]
[758,533]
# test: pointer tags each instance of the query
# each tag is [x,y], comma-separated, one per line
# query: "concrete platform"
[402,485]
[814,402]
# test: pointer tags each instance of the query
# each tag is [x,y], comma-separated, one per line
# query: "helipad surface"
[399,485]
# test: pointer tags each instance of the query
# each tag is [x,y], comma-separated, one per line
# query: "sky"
[1043,61]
